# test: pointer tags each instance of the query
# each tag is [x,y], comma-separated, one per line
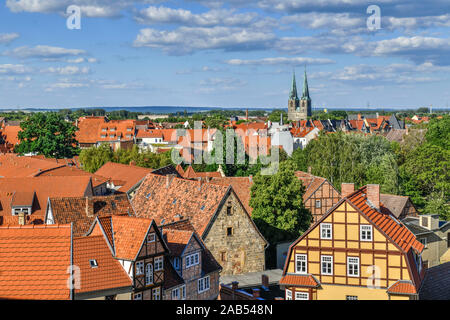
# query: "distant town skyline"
[227,54]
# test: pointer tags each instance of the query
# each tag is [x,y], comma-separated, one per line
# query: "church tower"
[299,109]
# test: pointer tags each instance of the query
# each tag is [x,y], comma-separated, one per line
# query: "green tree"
[47,134]
[94,158]
[277,203]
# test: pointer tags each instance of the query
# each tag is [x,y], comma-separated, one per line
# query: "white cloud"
[186,40]
[68,70]
[14,69]
[8,37]
[281,61]
[43,52]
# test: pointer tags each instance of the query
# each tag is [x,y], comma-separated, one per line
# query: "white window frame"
[149,279]
[320,204]
[364,229]
[203,284]
[301,296]
[303,259]
[326,227]
[288,294]
[183,292]
[353,263]
[140,268]
[176,294]
[327,262]
[423,241]
[151,237]
[192,260]
[159,263]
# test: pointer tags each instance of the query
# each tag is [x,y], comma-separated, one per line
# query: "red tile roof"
[386,222]
[241,185]
[163,198]
[34,262]
[190,173]
[14,166]
[108,274]
[176,239]
[74,171]
[89,128]
[44,187]
[10,134]
[126,176]
[81,211]
[402,287]
[300,280]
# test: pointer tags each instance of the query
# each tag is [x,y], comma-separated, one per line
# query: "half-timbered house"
[358,250]
[138,245]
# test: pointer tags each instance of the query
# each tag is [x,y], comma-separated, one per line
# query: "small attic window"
[202,208]
[174,201]
[148,195]
[93,263]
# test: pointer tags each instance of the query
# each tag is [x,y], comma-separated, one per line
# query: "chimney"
[265,281]
[373,195]
[256,293]
[22,219]
[347,189]
[132,163]
[359,116]
[309,170]
[89,207]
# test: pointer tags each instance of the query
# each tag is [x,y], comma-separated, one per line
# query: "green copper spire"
[293,94]
[305,95]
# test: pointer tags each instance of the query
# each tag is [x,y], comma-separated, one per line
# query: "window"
[229,232]
[288,294]
[18,211]
[203,284]
[326,265]
[176,263]
[112,297]
[151,237]
[103,136]
[192,260]
[139,268]
[301,262]
[365,233]
[425,221]
[176,294]
[229,210]
[353,267]
[223,256]
[159,263]
[93,263]
[174,201]
[423,241]
[157,294]
[148,274]
[301,296]
[318,204]
[137,296]
[112,135]
[351,297]
[183,292]
[325,231]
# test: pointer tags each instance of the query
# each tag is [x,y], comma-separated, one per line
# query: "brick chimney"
[256,293]
[22,219]
[265,281]
[89,207]
[373,195]
[347,189]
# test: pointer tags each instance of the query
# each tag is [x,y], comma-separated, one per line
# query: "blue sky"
[217,53]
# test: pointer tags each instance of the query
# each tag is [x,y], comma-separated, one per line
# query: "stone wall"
[244,249]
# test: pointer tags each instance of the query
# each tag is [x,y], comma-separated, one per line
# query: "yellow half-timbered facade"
[356,251]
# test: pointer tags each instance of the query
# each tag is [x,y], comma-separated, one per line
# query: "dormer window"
[17,211]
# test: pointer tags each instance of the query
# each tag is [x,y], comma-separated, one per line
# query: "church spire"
[293,94]
[305,95]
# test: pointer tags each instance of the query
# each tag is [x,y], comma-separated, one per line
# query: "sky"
[213,53]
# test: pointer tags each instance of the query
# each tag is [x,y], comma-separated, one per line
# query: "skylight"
[93,263]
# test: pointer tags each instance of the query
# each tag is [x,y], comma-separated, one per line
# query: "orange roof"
[44,187]
[311,183]
[149,134]
[15,166]
[190,173]
[301,132]
[81,211]
[108,274]
[385,221]
[177,239]
[10,134]
[89,128]
[402,287]
[241,185]
[306,280]
[129,235]
[128,175]
[34,262]
[163,198]
[74,171]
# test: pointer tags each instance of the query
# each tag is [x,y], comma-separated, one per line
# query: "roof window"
[93,263]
